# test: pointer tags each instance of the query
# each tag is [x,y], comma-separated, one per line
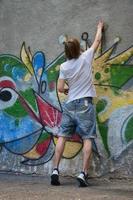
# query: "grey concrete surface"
[27,187]
[40,23]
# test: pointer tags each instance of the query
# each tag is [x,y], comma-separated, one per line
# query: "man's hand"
[98,36]
[62,87]
[100,25]
[66,91]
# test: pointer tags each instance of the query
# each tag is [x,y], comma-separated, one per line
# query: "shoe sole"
[55,179]
[82,183]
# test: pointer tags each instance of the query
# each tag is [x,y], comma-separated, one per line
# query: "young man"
[78,110]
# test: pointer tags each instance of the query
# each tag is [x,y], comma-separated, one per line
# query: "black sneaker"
[55,177]
[82,179]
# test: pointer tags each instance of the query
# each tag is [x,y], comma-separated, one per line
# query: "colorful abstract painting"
[30,106]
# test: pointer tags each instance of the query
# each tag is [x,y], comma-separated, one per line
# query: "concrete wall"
[30,109]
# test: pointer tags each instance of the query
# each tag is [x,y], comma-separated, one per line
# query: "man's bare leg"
[58,154]
[59,150]
[87,150]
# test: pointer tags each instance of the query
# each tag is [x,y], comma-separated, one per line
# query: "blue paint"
[9,131]
[6,67]
[18,73]
[23,145]
[38,61]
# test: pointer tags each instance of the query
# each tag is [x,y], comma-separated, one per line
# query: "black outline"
[20,141]
[24,162]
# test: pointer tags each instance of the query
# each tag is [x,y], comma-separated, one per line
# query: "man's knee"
[87,146]
[62,139]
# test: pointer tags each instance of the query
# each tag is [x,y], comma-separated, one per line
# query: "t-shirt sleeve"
[89,54]
[61,73]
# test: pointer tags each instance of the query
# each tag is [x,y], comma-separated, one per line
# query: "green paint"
[106,70]
[16,122]
[52,72]
[97,76]
[103,127]
[120,74]
[29,96]
[101,104]
[8,62]
[16,110]
[44,136]
[129,130]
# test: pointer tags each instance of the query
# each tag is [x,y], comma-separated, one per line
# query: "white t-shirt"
[78,74]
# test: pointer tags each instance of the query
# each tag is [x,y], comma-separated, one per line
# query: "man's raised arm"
[98,36]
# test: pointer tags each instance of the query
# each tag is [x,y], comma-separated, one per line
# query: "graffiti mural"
[30,106]
[113,77]
[30,110]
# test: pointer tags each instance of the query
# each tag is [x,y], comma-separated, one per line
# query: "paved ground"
[27,187]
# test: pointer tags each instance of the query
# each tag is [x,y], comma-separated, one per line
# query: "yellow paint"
[124,98]
[57,68]
[26,58]
[27,77]
[32,154]
[71,148]
[102,62]
[120,59]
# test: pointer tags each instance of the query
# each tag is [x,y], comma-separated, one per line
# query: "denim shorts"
[78,117]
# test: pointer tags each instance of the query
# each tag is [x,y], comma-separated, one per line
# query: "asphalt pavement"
[15,186]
